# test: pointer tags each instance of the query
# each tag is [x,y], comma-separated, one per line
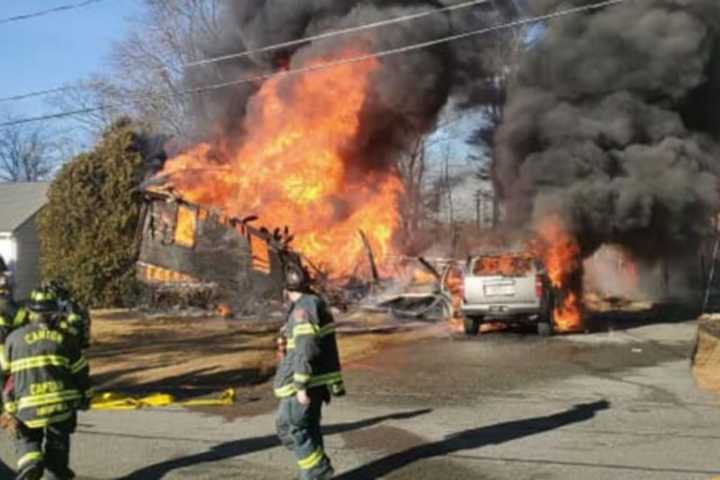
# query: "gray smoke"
[407,92]
[613,124]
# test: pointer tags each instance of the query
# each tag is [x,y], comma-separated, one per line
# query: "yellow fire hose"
[120,401]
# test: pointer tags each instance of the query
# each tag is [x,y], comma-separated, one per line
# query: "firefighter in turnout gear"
[308,375]
[49,383]
[11,317]
[8,310]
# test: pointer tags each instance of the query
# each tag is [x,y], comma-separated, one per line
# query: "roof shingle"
[19,202]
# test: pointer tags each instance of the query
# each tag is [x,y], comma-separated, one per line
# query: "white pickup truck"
[510,288]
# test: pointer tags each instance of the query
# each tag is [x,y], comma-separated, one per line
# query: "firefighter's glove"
[337,389]
[9,423]
[281,347]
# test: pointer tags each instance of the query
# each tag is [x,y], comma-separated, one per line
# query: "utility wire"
[335,33]
[278,46]
[331,64]
[61,8]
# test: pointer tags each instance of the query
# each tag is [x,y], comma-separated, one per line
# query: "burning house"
[208,255]
[313,139]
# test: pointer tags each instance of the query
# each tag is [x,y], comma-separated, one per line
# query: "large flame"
[561,255]
[295,167]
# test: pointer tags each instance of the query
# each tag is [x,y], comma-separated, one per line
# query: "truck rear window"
[505,265]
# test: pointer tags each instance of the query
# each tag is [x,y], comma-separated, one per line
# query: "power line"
[61,8]
[278,46]
[345,31]
[322,66]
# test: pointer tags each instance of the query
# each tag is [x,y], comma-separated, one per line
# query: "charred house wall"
[186,246]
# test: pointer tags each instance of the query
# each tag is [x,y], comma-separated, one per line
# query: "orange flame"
[561,255]
[423,277]
[454,284]
[508,265]
[293,168]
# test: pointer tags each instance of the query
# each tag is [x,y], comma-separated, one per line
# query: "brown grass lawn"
[133,352]
[707,356]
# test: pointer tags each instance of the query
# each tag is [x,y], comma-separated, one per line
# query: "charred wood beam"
[430,268]
[371,257]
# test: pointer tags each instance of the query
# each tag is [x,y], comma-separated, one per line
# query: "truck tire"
[544,328]
[546,322]
[472,326]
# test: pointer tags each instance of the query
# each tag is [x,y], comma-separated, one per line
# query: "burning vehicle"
[540,283]
[508,288]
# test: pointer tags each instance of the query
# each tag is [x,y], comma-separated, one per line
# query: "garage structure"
[20,204]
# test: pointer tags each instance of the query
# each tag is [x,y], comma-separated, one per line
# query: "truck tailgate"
[499,290]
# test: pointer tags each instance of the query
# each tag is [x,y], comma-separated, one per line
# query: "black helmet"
[296,278]
[42,301]
[55,287]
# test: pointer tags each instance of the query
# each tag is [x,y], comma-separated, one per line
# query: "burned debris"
[196,256]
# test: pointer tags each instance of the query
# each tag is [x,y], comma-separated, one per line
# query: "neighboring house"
[19,239]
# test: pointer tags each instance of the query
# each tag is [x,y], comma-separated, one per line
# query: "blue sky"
[46,52]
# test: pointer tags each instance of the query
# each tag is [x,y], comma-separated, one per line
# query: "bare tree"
[29,152]
[97,98]
[147,76]
[502,59]
[412,167]
[149,62]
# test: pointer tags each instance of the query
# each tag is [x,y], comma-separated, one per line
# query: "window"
[185,226]
[162,222]
[260,254]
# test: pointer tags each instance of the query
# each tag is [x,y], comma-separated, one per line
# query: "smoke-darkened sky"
[609,126]
[407,92]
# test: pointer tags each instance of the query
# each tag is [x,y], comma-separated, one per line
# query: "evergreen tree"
[88,228]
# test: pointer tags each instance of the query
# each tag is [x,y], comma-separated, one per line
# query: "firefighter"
[49,383]
[8,309]
[75,319]
[5,283]
[11,316]
[308,374]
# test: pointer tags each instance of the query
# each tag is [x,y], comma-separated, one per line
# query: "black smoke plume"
[613,124]
[407,92]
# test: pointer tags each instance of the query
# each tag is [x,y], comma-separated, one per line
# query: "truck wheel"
[544,329]
[472,326]
[546,322]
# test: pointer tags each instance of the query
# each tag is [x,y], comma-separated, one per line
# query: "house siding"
[8,250]
[27,267]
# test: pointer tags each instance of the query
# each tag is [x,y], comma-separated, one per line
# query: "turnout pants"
[44,450]
[298,427]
